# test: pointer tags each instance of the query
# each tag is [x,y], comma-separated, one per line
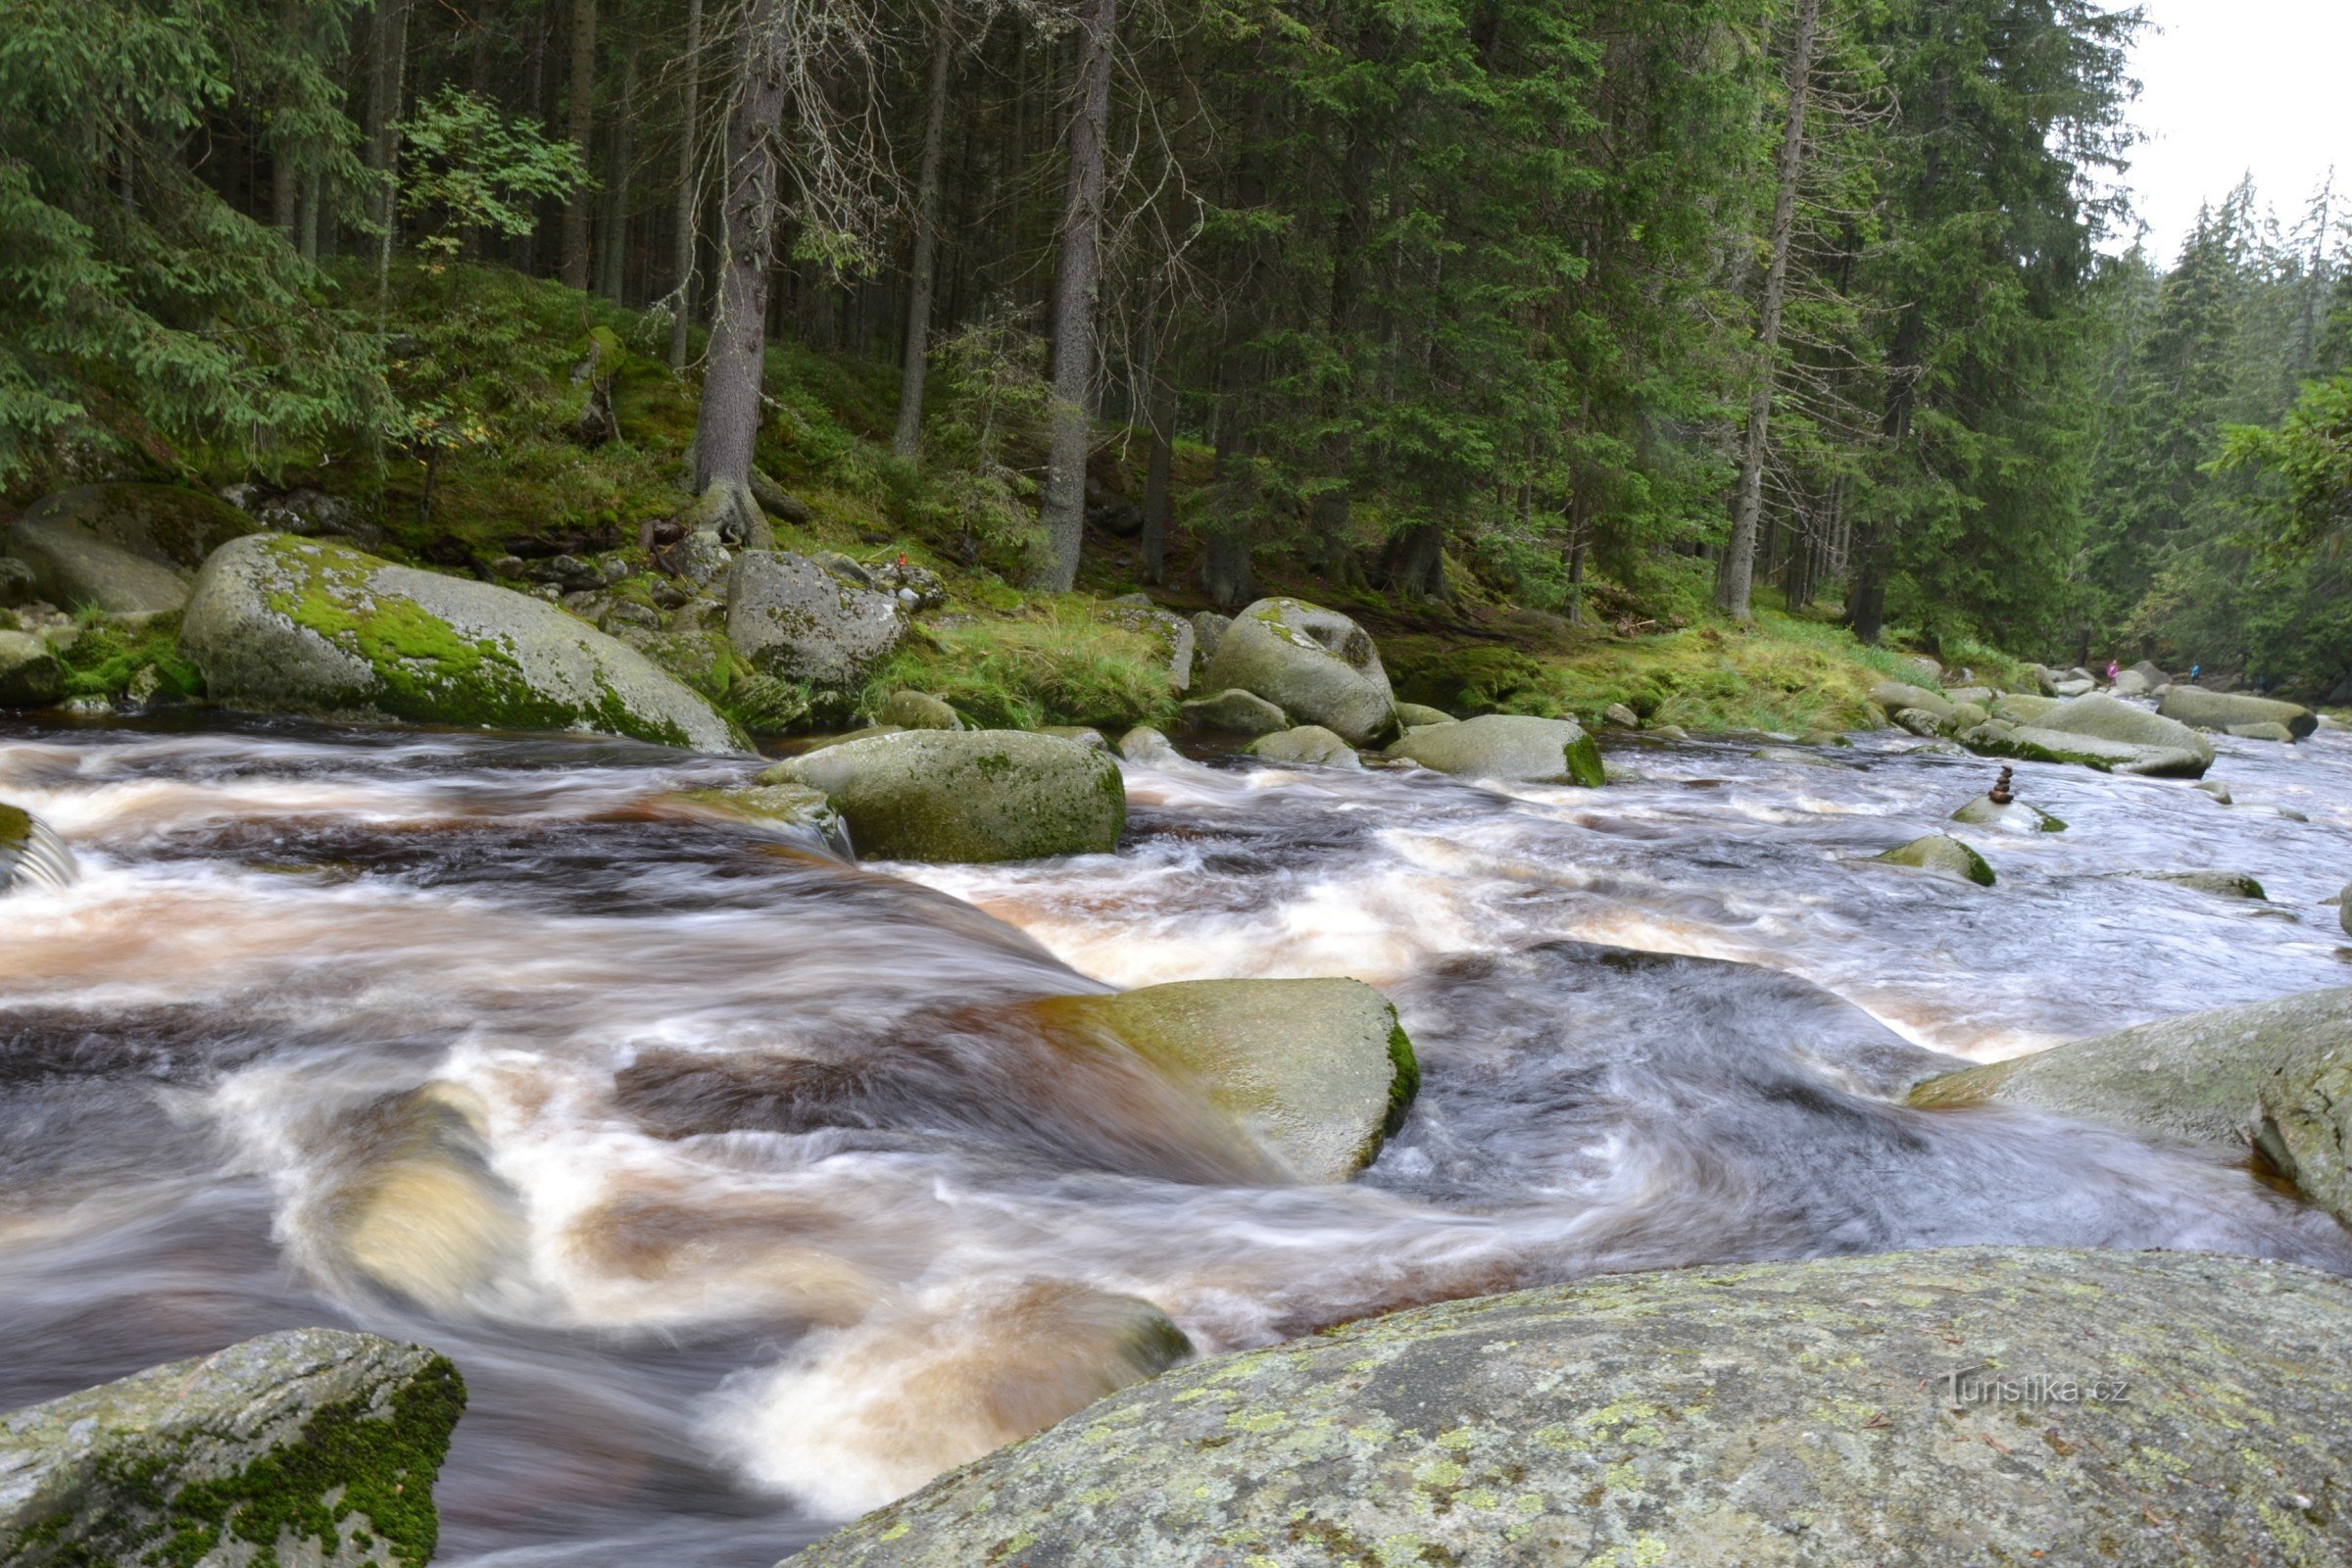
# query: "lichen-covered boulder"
[31,674]
[1233,712]
[1143,743]
[31,855]
[975,795]
[126,549]
[2034,743]
[286,625]
[1318,1072]
[2207,709]
[2234,1078]
[1313,664]
[1172,633]
[1980,1404]
[306,1447]
[1209,629]
[791,617]
[1311,743]
[1508,748]
[1940,854]
[2017,708]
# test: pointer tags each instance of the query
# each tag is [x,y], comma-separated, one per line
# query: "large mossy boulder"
[1310,743]
[1234,711]
[286,625]
[1940,854]
[1313,664]
[30,673]
[2186,1408]
[794,619]
[975,795]
[126,549]
[309,1446]
[2126,737]
[31,855]
[1318,1072]
[2227,710]
[1507,747]
[1894,695]
[2273,1077]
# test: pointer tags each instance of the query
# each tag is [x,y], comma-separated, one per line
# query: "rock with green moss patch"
[31,673]
[2099,718]
[1313,664]
[912,710]
[793,807]
[2206,709]
[126,549]
[2014,708]
[1507,747]
[2015,817]
[973,796]
[31,855]
[1171,634]
[286,625]
[1310,743]
[1940,854]
[1777,1415]
[309,1446]
[1233,712]
[2221,884]
[791,617]
[1318,1072]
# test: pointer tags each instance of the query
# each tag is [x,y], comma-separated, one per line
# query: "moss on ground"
[106,657]
[1056,662]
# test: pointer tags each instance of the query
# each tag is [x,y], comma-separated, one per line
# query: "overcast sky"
[2230,86]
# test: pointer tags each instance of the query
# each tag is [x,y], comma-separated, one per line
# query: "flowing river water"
[718,1173]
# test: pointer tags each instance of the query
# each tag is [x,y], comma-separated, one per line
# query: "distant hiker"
[2194,670]
[2112,669]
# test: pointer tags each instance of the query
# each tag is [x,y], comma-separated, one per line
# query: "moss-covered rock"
[1315,664]
[2101,731]
[2221,884]
[31,855]
[31,673]
[305,625]
[1310,743]
[912,710]
[1509,748]
[126,549]
[793,807]
[2183,1407]
[1940,854]
[2234,1078]
[793,618]
[1234,711]
[968,796]
[309,1446]
[2015,817]
[2204,709]
[1318,1072]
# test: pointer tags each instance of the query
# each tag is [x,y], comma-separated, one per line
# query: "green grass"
[107,655]
[1055,663]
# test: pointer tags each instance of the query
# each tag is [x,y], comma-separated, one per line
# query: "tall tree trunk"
[1736,572]
[728,424]
[612,247]
[917,347]
[1075,299]
[690,187]
[386,87]
[1160,502]
[573,267]
[285,162]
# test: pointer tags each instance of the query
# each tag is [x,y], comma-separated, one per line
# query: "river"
[1657,1024]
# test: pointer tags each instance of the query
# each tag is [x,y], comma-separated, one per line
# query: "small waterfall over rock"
[31,855]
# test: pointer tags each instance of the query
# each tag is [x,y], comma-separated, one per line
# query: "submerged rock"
[306,625]
[418,1213]
[1509,748]
[31,855]
[1318,1072]
[791,807]
[31,673]
[126,549]
[2209,709]
[304,1446]
[1309,743]
[2222,884]
[1841,1411]
[974,796]
[1940,854]
[1313,664]
[1235,712]
[2233,1078]
[794,619]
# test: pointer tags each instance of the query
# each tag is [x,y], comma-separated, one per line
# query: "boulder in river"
[2221,884]
[418,1213]
[794,619]
[912,710]
[2102,732]
[972,796]
[1415,715]
[126,549]
[304,1446]
[1893,695]
[2103,717]
[1921,721]
[2233,1078]
[1311,743]
[2278,734]
[1235,712]
[306,625]
[1318,1072]
[1940,854]
[31,855]
[2016,708]
[2017,816]
[1844,1410]
[1313,664]
[2211,710]
[31,674]
[1143,743]
[1509,748]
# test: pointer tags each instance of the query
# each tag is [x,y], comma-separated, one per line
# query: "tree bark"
[1735,574]
[917,347]
[690,188]
[1075,292]
[573,266]
[612,247]
[386,87]
[1160,499]
[728,423]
